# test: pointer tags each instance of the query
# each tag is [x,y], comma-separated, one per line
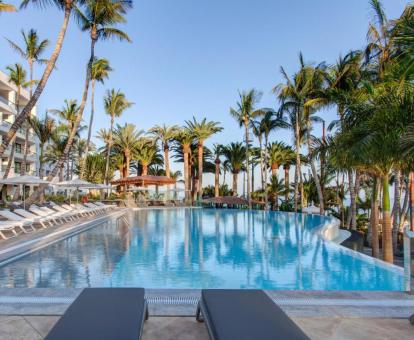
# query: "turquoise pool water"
[202,248]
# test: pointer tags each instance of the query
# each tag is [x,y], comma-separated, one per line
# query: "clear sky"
[191,57]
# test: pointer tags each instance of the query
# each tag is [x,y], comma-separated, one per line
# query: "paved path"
[186,328]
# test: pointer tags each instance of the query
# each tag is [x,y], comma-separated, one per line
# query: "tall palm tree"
[43,129]
[217,151]
[31,51]
[115,104]
[244,113]
[201,131]
[6,7]
[98,19]
[100,72]
[165,134]
[276,152]
[276,188]
[55,150]
[235,154]
[66,6]
[147,154]
[127,142]
[184,138]
[289,159]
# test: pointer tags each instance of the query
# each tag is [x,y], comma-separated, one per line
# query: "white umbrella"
[76,184]
[24,180]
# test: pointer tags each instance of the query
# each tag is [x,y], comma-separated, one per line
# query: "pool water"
[202,248]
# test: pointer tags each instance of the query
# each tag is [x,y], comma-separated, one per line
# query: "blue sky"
[191,57]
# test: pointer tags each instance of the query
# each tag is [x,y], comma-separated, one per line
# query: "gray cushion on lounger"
[247,315]
[104,314]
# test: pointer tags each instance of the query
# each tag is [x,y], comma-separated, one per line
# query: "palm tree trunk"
[167,160]
[234,184]
[404,208]
[186,175]
[396,218]
[276,200]
[246,127]
[354,201]
[286,184]
[21,118]
[200,170]
[386,225]
[374,219]
[217,179]
[72,134]
[261,161]
[252,189]
[144,169]
[315,176]
[298,175]
[108,153]
[88,141]
[351,196]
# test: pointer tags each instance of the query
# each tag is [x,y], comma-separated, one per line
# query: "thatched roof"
[144,180]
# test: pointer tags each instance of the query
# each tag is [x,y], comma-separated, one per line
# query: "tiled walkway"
[186,328]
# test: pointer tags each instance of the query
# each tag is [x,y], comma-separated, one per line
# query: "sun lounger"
[10,226]
[95,207]
[65,213]
[59,214]
[35,218]
[12,217]
[103,314]
[42,213]
[244,315]
[108,206]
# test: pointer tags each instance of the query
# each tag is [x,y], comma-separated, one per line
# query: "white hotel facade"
[8,99]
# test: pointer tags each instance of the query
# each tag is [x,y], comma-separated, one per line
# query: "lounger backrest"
[58,208]
[25,213]
[38,211]
[67,207]
[10,215]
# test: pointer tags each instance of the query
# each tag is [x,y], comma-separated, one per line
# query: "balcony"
[21,133]
[7,105]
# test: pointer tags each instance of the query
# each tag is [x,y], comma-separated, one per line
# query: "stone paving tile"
[17,328]
[173,328]
[42,324]
[358,329]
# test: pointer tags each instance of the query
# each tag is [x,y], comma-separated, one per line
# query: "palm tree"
[98,19]
[43,129]
[68,113]
[95,168]
[67,6]
[217,151]
[31,52]
[244,113]
[115,104]
[287,161]
[276,188]
[100,72]
[235,154]
[6,7]
[165,134]
[184,138]
[201,131]
[147,154]
[127,142]
[276,152]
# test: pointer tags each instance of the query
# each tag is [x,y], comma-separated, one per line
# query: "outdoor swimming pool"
[202,248]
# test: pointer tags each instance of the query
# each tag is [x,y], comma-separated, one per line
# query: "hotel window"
[18,148]
[17,167]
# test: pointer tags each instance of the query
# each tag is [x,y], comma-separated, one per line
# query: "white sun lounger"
[65,213]
[51,213]
[35,218]
[42,213]
[12,217]
[11,226]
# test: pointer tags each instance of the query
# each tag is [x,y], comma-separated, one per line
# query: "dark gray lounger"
[103,314]
[244,315]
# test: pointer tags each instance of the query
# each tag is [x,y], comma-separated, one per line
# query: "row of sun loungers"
[24,221]
[119,313]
